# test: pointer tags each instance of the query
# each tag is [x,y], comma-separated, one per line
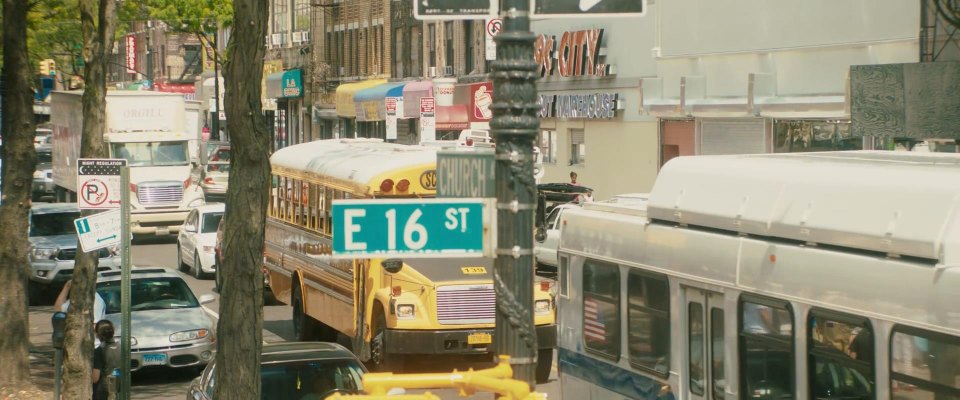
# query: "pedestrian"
[99,306]
[106,359]
[573,178]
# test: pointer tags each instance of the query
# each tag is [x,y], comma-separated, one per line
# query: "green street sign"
[466,172]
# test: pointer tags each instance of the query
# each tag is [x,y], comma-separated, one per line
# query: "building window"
[281,17]
[792,136]
[841,355]
[601,309]
[468,47]
[398,56]
[432,44]
[648,319]
[448,43]
[924,364]
[578,147]
[766,347]
[548,146]
[416,48]
[301,12]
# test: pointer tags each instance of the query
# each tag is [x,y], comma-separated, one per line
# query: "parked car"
[43,176]
[169,328]
[43,136]
[53,247]
[215,172]
[197,240]
[295,370]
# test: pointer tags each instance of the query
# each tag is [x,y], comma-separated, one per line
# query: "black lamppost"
[215,126]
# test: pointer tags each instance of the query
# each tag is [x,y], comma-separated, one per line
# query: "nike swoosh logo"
[588,4]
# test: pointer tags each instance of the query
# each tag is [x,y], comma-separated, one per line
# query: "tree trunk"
[97,23]
[19,160]
[241,296]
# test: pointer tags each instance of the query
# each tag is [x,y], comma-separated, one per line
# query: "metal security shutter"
[732,136]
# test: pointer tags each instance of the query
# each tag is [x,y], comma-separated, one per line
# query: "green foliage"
[192,16]
[54,32]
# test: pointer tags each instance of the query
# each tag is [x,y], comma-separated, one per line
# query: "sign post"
[428,120]
[125,283]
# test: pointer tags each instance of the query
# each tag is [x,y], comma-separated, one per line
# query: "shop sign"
[443,89]
[292,84]
[131,50]
[584,106]
[576,53]
[390,104]
[481,101]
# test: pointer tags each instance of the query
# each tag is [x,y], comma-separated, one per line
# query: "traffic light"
[44,67]
[51,67]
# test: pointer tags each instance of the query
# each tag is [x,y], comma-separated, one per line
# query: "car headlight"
[43,253]
[542,307]
[209,249]
[406,311]
[189,335]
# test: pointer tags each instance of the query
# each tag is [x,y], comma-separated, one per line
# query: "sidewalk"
[41,358]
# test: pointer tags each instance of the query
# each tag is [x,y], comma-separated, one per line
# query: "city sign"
[98,183]
[468,172]
[454,9]
[576,53]
[390,103]
[599,105]
[428,119]
[414,228]
[587,8]
[131,54]
[492,28]
[99,230]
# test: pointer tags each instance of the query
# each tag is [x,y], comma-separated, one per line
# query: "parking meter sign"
[98,183]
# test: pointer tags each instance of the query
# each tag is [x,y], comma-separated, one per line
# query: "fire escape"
[939,26]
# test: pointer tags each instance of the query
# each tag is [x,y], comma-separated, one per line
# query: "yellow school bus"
[440,306]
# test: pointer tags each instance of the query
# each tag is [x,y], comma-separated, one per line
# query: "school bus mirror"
[392,265]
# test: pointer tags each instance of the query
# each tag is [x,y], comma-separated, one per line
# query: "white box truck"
[148,130]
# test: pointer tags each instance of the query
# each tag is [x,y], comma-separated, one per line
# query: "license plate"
[479,338]
[154,359]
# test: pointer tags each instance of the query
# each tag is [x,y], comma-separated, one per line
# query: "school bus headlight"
[405,311]
[542,306]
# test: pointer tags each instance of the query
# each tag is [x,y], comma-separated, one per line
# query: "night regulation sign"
[588,8]
[455,9]
[414,228]
[98,183]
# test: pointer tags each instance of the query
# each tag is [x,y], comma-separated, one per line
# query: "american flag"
[593,326]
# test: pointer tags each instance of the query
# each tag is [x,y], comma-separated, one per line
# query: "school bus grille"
[466,304]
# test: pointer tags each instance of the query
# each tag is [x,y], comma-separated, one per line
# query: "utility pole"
[514,126]
[216,86]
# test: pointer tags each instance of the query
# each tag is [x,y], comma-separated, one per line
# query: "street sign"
[492,28]
[98,183]
[428,122]
[98,230]
[391,119]
[414,228]
[466,172]
[588,8]
[455,9]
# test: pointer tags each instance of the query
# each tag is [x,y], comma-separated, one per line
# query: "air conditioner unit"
[277,39]
[341,70]
[297,37]
[266,41]
[448,70]
[306,36]
[431,72]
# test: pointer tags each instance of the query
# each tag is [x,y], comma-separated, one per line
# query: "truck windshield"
[140,154]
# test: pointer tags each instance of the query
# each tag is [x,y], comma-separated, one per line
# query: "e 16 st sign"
[414,228]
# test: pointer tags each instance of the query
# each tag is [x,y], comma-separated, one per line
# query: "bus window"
[695,335]
[648,319]
[601,308]
[766,349]
[717,356]
[841,356]
[564,281]
[924,365]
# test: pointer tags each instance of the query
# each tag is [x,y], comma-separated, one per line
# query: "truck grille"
[466,304]
[160,193]
[70,254]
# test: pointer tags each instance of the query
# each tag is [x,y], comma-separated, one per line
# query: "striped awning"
[346,93]
[369,102]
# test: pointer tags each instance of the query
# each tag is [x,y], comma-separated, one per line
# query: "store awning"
[412,93]
[285,84]
[346,93]
[452,117]
[370,102]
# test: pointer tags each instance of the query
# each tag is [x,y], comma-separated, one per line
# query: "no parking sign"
[98,183]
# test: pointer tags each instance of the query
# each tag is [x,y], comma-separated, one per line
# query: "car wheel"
[544,365]
[303,325]
[182,266]
[380,358]
[197,267]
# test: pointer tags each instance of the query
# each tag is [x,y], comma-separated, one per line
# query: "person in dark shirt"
[106,358]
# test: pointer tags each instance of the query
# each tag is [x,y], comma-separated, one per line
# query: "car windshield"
[148,294]
[310,379]
[53,224]
[140,154]
[210,222]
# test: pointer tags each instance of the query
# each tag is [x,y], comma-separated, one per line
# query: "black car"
[297,371]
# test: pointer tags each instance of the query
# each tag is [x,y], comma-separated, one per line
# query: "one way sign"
[99,230]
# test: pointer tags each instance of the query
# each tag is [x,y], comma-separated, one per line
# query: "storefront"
[370,105]
[288,120]
[477,99]
[347,111]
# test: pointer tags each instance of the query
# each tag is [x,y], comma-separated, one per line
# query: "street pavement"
[173,383]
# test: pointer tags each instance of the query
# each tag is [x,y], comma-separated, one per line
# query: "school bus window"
[924,364]
[281,198]
[695,336]
[601,309]
[766,348]
[327,210]
[841,355]
[648,319]
[717,357]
